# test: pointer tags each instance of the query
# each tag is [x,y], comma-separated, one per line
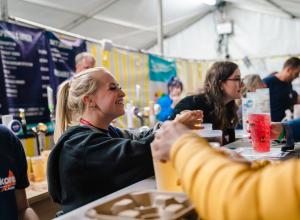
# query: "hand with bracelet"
[277,131]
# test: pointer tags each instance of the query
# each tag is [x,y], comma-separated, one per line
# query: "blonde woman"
[92,158]
[251,83]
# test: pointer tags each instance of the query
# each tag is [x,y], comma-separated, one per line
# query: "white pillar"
[160,30]
[4,10]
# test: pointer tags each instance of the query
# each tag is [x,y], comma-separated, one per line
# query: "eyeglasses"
[235,79]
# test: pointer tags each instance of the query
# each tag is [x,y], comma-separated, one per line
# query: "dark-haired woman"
[221,87]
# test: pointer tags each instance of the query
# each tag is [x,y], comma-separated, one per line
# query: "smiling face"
[109,97]
[231,87]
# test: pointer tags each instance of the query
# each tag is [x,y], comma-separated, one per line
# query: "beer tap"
[23,121]
[40,136]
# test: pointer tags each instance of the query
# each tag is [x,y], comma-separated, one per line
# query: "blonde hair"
[252,81]
[70,96]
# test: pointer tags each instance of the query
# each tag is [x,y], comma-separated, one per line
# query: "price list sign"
[23,71]
[31,60]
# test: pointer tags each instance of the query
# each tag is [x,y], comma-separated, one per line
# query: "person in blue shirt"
[282,95]
[288,129]
[169,101]
[13,178]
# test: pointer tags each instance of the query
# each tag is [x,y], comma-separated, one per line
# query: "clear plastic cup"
[296,111]
[166,177]
[206,126]
[213,137]
[6,119]
[38,168]
[259,126]
[45,154]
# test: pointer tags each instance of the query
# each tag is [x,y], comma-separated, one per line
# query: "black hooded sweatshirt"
[88,163]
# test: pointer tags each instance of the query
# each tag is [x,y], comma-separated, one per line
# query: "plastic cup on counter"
[29,168]
[166,177]
[206,126]
[259,126]
[45,154]
[38,168]
[213,137]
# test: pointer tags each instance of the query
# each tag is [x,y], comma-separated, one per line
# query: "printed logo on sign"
[248,104]
[8,183]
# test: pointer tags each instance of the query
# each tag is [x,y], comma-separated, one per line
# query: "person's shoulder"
[164,97]
[9,141]
[193,100]
[189,98]
[6,134]
[270,79]
[4,130]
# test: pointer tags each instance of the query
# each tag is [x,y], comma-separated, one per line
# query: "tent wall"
[256,35]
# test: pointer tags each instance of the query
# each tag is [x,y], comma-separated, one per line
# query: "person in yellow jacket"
[223,185]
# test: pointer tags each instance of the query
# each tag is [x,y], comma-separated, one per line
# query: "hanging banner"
[160,72]
[160,69]
[62,57]
[24,71]
[32,59]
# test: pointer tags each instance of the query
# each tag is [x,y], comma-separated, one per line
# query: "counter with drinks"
[116,205]
[39,199]
[37,193]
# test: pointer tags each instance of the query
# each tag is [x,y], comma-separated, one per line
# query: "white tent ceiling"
[133,23]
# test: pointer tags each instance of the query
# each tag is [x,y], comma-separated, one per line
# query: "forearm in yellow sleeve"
[223,189]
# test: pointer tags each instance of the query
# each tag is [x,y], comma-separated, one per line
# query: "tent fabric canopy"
[261,27]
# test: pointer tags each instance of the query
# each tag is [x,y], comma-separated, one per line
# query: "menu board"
[62,58]
[31,60]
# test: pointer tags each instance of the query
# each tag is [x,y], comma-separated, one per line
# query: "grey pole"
[160,29]
[4,10]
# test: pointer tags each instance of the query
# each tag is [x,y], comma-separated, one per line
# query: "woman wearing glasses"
[221,87]
[92,158]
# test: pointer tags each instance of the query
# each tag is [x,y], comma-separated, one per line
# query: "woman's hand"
[276,129]
[168,133]
[191,119]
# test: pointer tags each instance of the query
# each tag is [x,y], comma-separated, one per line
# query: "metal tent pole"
[160,30]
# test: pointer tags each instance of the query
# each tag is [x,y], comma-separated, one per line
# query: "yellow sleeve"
[222,189]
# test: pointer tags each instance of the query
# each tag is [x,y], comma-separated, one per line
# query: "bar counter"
[39,199]
[80,212]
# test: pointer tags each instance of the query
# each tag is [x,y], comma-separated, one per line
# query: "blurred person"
[223,186]
[288,130]
[92,158]
[282,95]
[13,178]
[169,101]
[221,87]
[84,61]
[251,82]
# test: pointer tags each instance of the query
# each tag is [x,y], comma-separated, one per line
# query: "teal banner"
[160,69]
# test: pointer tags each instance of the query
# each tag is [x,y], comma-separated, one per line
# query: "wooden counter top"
[37,191]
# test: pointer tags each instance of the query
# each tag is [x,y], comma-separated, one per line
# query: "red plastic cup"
[259,126]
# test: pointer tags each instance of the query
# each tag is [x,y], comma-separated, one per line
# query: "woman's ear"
[220,83]
[89,101]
